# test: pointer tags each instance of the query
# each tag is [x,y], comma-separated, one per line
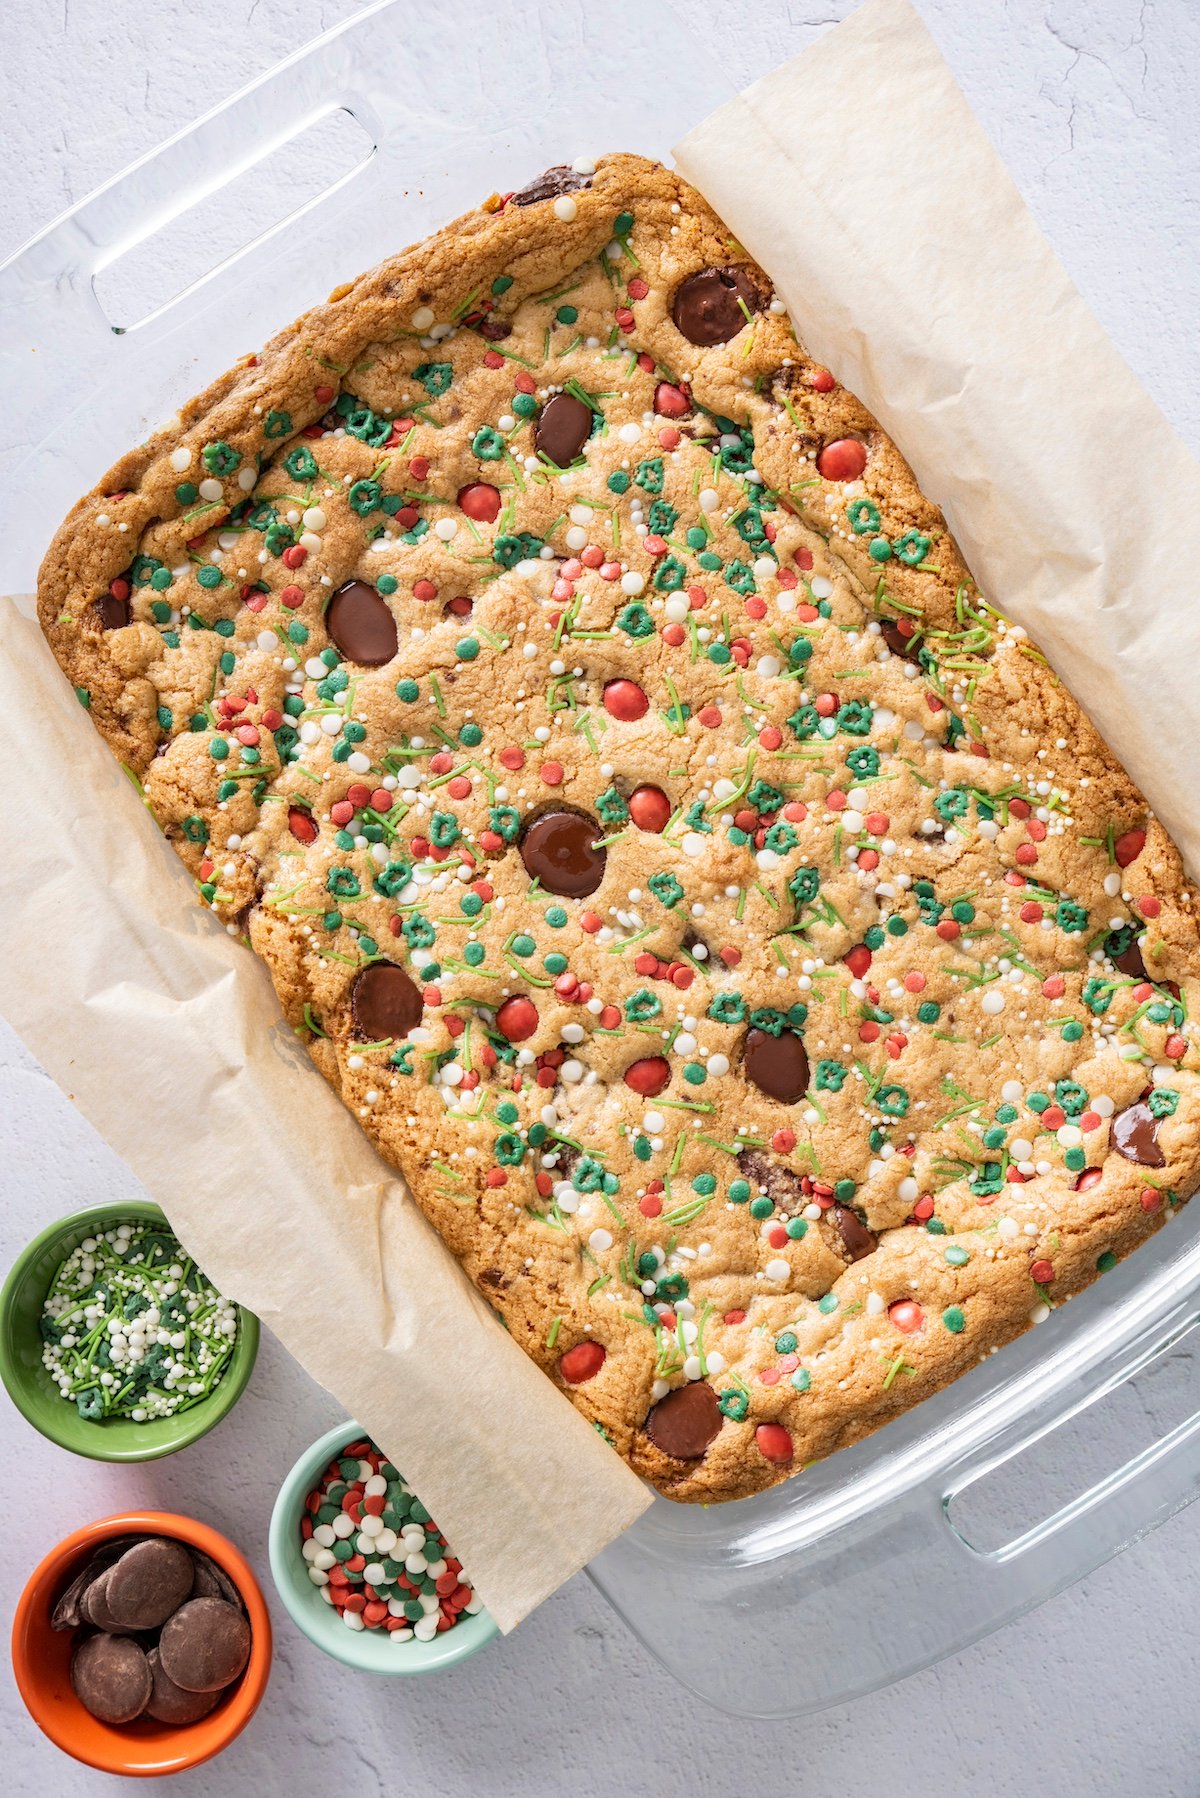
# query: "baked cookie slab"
[770,985]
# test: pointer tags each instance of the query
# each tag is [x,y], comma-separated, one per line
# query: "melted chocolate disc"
[777,1065]
[361,625]
[111,613]
[1130,961]
[563,427]
[558,850]
[558,180]
[857,1240]
[706,309]
[384,1002]
[1135,1135]
[686,1421]
[909,647]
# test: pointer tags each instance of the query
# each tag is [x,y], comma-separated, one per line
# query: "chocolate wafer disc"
[111,1678]
[205,1645]
[170,1703]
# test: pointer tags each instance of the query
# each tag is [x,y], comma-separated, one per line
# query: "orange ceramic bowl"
[42,1658]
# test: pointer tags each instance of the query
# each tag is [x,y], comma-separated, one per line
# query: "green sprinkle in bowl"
[35,1394]
[370,1651]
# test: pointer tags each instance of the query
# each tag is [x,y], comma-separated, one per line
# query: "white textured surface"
[1092,104]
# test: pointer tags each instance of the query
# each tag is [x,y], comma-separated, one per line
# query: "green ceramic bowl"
[371,1651]
[34,1393]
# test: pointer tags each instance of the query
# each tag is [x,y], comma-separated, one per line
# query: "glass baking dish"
[857,1571]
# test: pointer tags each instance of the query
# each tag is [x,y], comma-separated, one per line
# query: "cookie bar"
[771,987]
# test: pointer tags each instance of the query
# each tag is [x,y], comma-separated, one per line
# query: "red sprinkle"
[671,401]
[625,700]
[842,460]
[517,1018]
[581,1363]
[649,1076]
[480,502]
[906,1315]
[1127,848]
[774,1443]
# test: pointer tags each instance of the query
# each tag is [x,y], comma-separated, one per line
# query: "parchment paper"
[857,175]
[167,1034]
[861,180]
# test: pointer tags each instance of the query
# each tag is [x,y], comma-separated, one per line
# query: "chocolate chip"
[111,1678]
[494,329]
[686,1421]
[563,427]
[170,1703]
[361,625]
[111,613]
[67,1613]
[1135,1135]
[777,1065]
[708,307]
[857,1240]
[205,1645]
[212,1581]
[784,1188]
[384,1002]
[148,1582]
[558,180]
[558,849]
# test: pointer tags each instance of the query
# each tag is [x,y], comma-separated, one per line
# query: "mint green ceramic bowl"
[35,1394]
[370,1651]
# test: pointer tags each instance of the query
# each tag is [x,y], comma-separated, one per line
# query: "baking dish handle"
[327,74]
[1108,1514]
[881,1572]
[79,389]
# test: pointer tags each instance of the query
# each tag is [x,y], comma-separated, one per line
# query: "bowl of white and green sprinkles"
[113,1343]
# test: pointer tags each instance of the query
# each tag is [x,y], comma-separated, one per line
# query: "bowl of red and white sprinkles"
[362,1567]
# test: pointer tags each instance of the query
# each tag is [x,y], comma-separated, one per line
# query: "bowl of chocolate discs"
[141,1644]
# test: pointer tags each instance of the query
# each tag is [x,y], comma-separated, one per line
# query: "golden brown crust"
[825,1260]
